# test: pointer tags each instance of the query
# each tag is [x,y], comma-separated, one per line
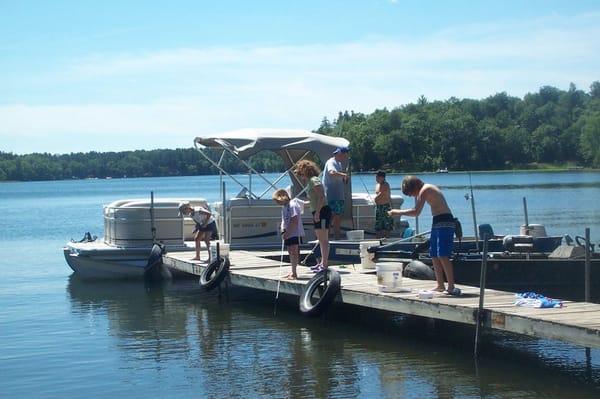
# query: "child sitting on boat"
[206,228]
[291,227]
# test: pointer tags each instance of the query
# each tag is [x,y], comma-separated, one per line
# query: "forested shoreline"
[551,126]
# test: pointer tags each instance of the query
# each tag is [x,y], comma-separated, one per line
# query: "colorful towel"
[533,300]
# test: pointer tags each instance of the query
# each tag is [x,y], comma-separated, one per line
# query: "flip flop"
[454,292]
[316,267]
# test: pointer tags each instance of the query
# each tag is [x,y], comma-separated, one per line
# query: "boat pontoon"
[131,228]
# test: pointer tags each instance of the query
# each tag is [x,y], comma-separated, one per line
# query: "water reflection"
[238,348]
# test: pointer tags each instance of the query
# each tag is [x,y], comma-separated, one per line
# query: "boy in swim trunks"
[442,229]
[383,201]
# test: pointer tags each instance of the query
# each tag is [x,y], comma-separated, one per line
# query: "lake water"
[62,337]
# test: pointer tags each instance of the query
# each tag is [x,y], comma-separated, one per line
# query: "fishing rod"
[472,198]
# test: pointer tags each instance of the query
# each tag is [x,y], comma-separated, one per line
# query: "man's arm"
[416,210]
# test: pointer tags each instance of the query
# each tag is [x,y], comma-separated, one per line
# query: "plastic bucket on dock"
[367,259]
[389,276]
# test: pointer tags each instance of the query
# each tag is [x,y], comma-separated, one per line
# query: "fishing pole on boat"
[472,198]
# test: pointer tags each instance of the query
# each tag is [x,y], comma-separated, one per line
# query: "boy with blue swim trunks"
[442,229]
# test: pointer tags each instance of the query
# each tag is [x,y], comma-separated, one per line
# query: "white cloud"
[165,98]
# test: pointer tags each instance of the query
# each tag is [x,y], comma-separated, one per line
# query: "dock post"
[587,264]
[482,277]
[588,353]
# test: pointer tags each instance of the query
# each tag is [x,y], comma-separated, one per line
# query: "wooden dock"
[575,322]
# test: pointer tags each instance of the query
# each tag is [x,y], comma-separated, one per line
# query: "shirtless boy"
[442,229]
[383,201]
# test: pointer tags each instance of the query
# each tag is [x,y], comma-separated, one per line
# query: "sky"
[88,75]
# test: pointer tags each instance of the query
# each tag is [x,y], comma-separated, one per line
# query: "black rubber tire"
[153,266]
[334,282]
[418,270]
[214,273]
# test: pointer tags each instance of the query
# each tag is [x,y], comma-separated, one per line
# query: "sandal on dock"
[454,291]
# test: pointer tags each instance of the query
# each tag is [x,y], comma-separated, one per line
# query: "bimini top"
[247,142]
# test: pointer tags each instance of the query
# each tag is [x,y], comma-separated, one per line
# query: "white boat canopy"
[291,146]
[247,142]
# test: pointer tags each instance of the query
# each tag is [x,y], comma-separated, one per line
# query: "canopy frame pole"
[216,165]
[282,175]
[252,170]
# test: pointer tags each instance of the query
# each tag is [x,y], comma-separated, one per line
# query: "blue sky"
[124,75]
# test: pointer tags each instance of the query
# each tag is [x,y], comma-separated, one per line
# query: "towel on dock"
[533,300]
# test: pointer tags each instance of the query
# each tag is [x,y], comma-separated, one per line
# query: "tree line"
[551,126]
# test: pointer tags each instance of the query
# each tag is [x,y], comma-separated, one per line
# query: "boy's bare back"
[434,197]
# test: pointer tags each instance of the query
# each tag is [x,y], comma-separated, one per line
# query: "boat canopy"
[291,145]
[247,142]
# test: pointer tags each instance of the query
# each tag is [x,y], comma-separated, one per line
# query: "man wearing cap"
[334,181]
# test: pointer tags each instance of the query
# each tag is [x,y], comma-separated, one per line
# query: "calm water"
[61,337]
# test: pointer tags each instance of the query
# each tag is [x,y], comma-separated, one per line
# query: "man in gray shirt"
[334,181]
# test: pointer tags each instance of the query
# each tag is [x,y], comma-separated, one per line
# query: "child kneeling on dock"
[291,227]
[206,228]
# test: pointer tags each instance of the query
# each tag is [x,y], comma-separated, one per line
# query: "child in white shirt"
[291,227]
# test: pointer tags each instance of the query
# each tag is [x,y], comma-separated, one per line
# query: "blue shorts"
[337,206]
[441,242]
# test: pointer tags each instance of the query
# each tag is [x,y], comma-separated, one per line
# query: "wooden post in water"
[482,278]
[587,264]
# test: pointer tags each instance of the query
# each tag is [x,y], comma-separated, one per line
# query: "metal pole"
[588,353]
[474,214]
[587,264]
[152,227]
[526,215]
[224,210]
[482,278]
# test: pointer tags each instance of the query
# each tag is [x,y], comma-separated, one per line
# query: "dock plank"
[576,322]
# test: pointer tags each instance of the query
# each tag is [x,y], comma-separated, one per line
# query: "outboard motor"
[518,243]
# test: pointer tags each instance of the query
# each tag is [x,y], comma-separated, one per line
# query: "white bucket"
[223,249]
[534,230]
[389,276]
[355,235]
[367,259]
